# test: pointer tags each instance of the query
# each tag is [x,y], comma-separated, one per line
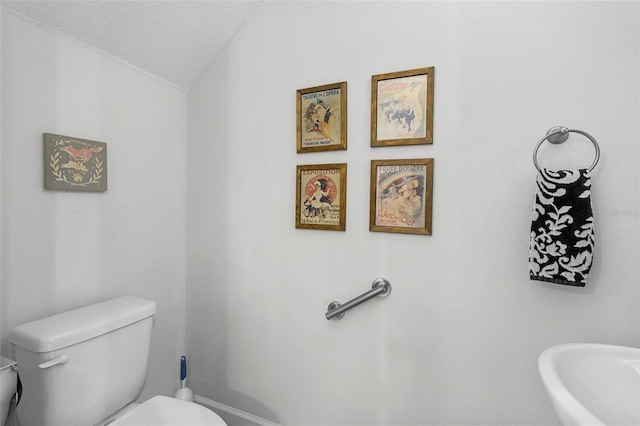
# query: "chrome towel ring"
[557,135]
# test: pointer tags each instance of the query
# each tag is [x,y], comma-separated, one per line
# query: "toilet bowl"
[8,386]
[88,366]
[164,410]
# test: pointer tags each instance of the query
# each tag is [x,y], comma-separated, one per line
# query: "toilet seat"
[163,410]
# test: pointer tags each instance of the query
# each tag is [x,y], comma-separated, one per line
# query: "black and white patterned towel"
[562,238]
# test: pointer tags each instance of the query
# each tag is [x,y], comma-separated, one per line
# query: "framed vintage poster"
[401,196]
[402,108]
[74,164]
[322,118]
[321,196]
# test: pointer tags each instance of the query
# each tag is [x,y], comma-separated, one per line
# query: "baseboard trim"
[234,411]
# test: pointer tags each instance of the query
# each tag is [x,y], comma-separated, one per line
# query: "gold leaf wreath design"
[57,172]
[97,174]
[55,166]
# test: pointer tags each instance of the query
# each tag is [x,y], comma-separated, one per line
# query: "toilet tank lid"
[72,327]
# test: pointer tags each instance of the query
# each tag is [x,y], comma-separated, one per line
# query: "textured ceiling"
[172,40]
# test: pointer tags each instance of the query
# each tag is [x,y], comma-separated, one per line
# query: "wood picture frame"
[401,196]
[321,113]
[74,164]
[321,196]
[402,107]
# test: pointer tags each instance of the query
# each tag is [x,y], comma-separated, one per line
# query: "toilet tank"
[80,366]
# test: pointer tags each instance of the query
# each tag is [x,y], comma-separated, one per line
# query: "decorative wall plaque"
[74,164]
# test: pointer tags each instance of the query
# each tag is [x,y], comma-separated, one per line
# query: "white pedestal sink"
[593,384]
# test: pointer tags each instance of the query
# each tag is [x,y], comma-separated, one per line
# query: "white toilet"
[88,366]
[8,386]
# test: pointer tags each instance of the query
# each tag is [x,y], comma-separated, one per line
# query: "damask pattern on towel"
[562,236]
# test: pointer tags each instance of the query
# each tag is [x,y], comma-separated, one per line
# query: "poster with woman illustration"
[401,196]
[322,118]
[321,195]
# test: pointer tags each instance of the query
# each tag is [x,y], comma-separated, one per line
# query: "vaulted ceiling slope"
[171,40]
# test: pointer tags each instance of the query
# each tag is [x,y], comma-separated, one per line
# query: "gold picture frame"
[401,196]
[321,196]
[74,164]
[402,108]
[321,113]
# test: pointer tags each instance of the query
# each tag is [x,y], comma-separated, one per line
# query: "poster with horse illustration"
[74,164]
[322,118]
[402,108]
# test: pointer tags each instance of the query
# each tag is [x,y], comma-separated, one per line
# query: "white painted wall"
[61,250]
[458,339]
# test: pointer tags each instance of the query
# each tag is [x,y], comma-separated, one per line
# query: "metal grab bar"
[380,287]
